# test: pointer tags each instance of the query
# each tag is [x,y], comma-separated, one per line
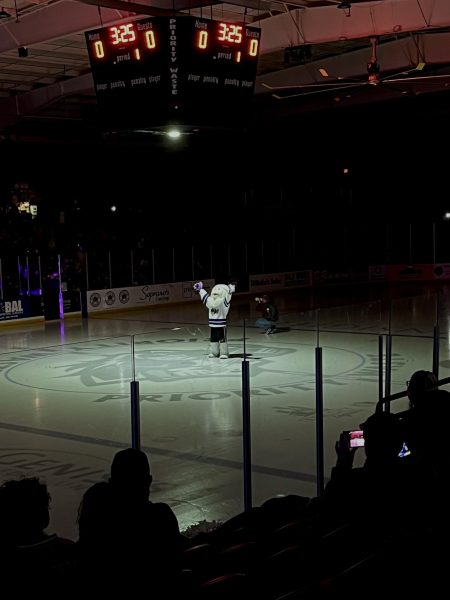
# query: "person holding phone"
[367,493]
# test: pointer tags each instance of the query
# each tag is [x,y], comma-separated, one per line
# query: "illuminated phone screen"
[356,438]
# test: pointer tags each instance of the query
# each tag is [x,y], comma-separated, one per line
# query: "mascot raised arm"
[218,305]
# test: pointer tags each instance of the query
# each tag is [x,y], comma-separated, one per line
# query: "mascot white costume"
[218,305]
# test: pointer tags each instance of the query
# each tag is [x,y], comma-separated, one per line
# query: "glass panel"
[271,256]
[441,241]
[65,409]
[256,257]
[444,337]
[288,250]
[282,389]
[349,340]
[121,268]
[183,263]
[163,265]
[191,418]
[143,266]
[202,262]
[221,263]
[412,323]
[238,265]
[98,270]
[11,281]
[400,248]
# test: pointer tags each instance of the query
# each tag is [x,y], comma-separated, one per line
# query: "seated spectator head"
[94,512]
[24,510]
[428,430]
[130,473]
[383,437]
[421,383]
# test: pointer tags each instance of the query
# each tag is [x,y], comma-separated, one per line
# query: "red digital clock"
[230,33]
[122,34]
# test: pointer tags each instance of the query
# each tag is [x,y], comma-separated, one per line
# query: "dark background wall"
[281,182]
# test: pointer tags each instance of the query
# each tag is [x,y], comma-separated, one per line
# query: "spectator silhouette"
[426,423]
[29,553]
[419,385]
[123,534]
[130,475]
[371,494]
[96,528]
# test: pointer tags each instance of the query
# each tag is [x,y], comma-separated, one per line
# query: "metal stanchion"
[135,416]
[246,435]
[135,408]
[319,415]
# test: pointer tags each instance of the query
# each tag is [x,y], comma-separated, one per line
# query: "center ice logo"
[164,366]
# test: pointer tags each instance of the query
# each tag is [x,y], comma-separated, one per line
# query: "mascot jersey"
[218,304]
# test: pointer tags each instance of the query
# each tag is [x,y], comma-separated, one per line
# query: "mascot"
[218,305]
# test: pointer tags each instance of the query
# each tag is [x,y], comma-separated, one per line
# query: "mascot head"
[218,294]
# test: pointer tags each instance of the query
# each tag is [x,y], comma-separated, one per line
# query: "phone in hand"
[405,451]
[355,438]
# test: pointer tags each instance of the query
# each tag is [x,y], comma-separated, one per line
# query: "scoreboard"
[188,69]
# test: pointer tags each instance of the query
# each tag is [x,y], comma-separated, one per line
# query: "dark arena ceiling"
[314,56]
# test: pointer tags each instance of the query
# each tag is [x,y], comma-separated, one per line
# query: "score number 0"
[228,33]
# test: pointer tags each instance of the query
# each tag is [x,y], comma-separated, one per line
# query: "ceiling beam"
[299,26]
[53,21]
[15,107]
[132,7]
[408,52]
[328,23]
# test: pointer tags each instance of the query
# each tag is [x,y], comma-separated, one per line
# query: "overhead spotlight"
[173,133]
[346,7]
[22,51]
[4,14]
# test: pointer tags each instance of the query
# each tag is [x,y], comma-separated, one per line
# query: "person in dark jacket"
[269,314]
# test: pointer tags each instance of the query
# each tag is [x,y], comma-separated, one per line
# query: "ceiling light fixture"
[173,133]
[4,14]
[346,7]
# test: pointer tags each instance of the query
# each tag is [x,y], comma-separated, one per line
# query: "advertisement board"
[143,295]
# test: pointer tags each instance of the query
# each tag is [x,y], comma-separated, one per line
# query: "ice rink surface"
[65,396]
